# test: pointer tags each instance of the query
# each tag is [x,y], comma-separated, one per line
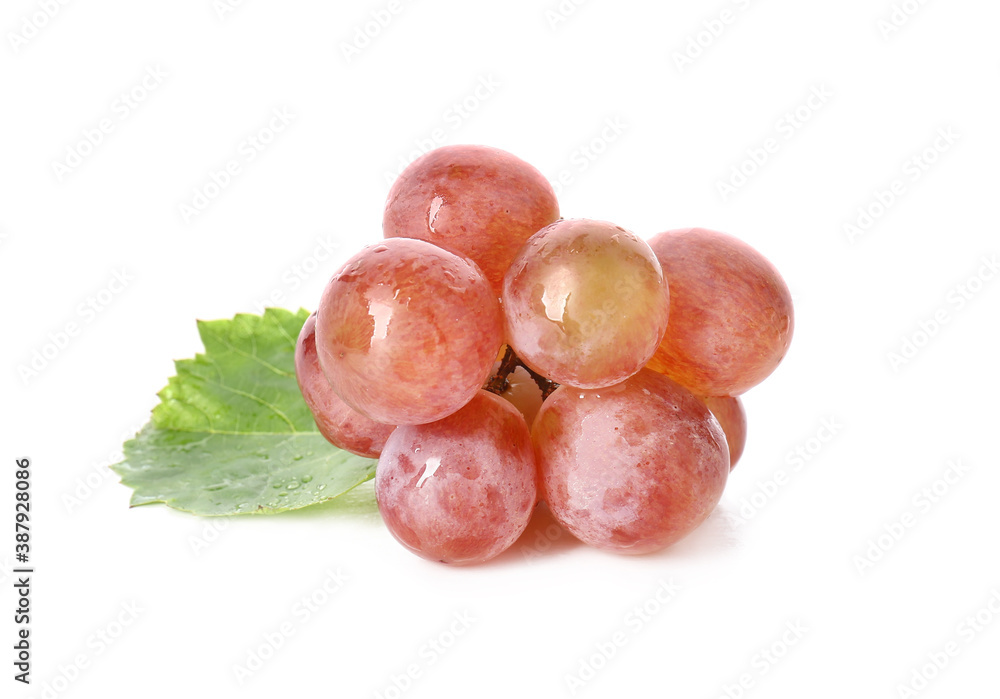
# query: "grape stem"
[498,383]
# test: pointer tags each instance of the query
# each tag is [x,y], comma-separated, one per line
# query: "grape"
[476,201]
[731,315]
[460,490]
[336,421]
[407,332]
[614,400]
[728,410]
[631,468]
[523,393]
[586,303]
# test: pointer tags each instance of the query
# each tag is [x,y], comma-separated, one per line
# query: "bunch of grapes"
[493,355]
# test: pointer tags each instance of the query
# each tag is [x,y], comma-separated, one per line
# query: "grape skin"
[460,490]
[586,303]
[632,468]
[731,318]
[342,427]
[732,417]
[407,332]
[480,202]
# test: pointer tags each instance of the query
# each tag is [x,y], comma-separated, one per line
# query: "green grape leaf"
[232,434]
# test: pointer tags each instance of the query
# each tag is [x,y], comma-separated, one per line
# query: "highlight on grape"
[493,356]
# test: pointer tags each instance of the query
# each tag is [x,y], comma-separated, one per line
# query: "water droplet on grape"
[306,479]
[292,485]
[432,214]
[430,466]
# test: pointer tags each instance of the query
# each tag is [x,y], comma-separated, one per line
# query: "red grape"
[728,410]
[462,489]
[631,468]
[407,332]
[342,426]
[480,202]
[731,317]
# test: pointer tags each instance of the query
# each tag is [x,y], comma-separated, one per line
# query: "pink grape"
[342,426]
[586,303]
[631,468]
[731,317]
[480,202]
[462,489]
[407,332]
[523,393]
[732,417]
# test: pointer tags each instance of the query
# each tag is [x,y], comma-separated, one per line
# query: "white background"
[844,439]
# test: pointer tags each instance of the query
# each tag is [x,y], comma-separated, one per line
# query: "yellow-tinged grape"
[586,303]
[523,393]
